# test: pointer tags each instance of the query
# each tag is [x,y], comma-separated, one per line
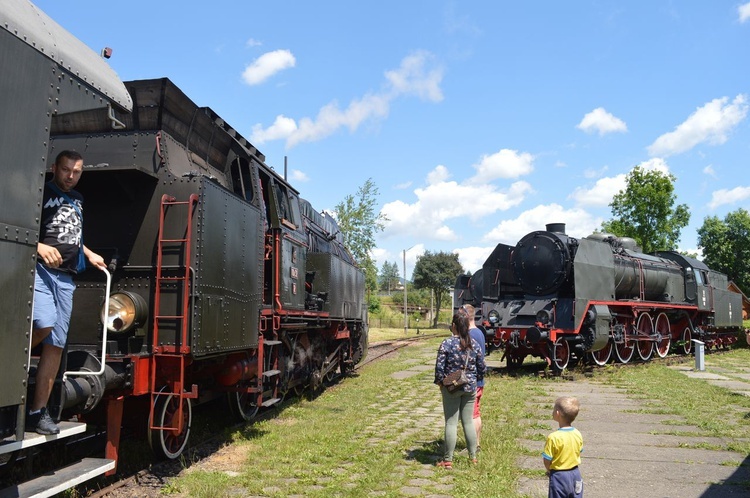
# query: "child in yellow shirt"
[562,452]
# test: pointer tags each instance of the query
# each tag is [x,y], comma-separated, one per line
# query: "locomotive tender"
[222,281]
[563,299]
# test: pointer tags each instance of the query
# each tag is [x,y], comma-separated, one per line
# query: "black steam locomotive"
[563,299]
[222,281]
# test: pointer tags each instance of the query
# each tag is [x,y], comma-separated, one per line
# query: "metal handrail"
[103,364]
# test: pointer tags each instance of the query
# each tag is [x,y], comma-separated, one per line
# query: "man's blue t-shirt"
[478,336]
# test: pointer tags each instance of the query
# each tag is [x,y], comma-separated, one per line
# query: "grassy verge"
[370,435]
[376,435]
[377,335]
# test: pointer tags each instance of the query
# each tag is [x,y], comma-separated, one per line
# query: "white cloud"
[710,123]
[403,186]
[442,200]
[604,189]
[655,164]
[744,12]
[299,176]
[267,65]
[473,258]
[505,163]
[601,193]
[281,128]
[413,77]
[595,173]
[727,196]
[602,122]
[709,170]
[438,175]
[330,118]
[579,223]
[252,42]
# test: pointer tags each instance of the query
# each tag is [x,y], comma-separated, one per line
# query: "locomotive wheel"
[166,443]
[687,342]
[664,336]
[331,375]
[624,350]
[513,361]
[243,405]
[602,356]
[645,329]
[560,354]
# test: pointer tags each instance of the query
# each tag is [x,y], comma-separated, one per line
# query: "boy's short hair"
[469,310]
[568,407]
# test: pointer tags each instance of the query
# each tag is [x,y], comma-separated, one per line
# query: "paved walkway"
[627,455]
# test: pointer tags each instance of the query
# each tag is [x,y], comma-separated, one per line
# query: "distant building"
[745,301]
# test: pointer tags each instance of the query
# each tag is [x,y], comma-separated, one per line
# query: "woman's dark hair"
[461,322]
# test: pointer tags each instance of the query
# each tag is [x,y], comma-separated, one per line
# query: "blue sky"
[478,121]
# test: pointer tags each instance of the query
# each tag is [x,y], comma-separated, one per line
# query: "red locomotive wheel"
[645,331]
[602,356]
[624,350]
[687,341]
[165,442]
[560,354]
[243,405]
[663,335]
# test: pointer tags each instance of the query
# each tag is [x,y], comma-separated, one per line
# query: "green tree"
[725,246]
[358,223]
[438,272]
[645,212]
[389,276]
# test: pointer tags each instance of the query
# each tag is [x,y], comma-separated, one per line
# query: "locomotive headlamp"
[544,317]
[494,317]
[126,311]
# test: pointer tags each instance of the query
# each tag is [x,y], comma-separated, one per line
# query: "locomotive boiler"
[563,299]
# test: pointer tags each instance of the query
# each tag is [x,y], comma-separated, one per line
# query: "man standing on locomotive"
[60,255]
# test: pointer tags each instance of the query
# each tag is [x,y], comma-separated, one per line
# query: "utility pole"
[406,316]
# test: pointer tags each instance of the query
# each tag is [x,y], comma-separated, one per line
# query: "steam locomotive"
[565,299]
[221,281]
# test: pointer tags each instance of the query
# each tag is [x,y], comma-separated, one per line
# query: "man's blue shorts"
[53,303]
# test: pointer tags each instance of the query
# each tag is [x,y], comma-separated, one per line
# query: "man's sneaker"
[41,423]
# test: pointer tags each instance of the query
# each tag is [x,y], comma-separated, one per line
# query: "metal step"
[266,403]
[58,481]
[30,439]
[271,373]
[271,342]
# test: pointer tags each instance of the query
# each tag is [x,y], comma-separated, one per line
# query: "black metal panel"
[228,269]
[343,282]
[498,278]
[594,272]
[25,80]
[292,270]
[111,151]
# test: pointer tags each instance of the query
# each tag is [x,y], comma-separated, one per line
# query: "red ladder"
[168,362]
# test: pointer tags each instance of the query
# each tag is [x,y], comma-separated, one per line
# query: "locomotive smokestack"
[556,228]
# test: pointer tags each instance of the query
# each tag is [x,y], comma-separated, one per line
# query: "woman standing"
[452,356]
